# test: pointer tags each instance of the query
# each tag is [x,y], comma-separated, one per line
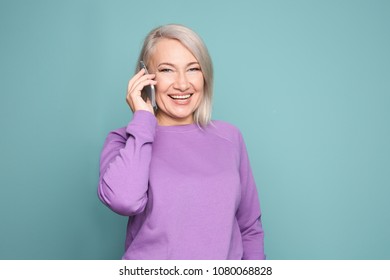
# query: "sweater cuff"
[144,124]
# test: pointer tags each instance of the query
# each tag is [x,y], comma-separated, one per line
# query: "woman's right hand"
[134,88]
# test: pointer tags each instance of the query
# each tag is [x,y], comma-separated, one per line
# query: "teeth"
[180,96]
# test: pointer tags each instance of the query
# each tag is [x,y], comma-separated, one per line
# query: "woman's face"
[180,84]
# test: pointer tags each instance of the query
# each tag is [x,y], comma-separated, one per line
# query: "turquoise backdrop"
[307,82]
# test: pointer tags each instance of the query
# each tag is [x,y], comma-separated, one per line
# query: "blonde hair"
[192,41]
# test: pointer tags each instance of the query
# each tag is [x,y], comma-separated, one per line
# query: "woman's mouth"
[180,96]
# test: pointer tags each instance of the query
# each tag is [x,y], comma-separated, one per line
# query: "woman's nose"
[181,82]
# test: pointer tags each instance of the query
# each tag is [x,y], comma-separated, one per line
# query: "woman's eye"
[165,70]
[194,69]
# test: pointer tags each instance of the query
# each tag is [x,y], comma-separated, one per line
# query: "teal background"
[307,82]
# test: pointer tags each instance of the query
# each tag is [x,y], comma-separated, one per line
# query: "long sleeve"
[249,213]
[124,165]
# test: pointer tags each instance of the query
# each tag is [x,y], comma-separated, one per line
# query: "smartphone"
[148,92]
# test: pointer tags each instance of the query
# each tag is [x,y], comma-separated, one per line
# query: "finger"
[134,98]
[140,76]
[138,85]
[135,78]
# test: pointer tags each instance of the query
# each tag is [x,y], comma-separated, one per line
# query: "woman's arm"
[124,165]
[249,213]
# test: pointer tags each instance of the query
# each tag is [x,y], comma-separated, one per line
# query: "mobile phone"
[148,92]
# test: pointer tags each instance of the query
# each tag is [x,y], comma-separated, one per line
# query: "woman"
[185,182]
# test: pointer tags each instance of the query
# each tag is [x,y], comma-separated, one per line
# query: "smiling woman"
[184,181]
[179,82]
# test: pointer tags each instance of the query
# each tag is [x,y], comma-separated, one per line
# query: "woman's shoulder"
[225,126]
[225,130]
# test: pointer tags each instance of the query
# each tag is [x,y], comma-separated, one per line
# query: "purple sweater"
[189,192]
